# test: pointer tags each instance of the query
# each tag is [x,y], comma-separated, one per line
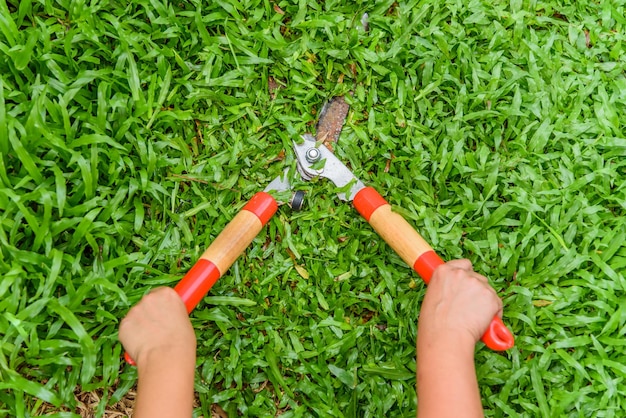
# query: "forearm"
[446,379]
[165,387]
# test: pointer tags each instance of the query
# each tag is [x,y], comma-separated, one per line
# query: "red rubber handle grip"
[417,253]
[223,251]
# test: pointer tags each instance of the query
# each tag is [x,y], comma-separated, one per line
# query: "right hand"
[459,303]
[158,325]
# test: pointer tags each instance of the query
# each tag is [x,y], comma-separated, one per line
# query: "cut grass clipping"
[132,131]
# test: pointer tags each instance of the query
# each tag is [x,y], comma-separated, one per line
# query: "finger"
[496,301]
[480,278]
[154,297]
[155,291]
[463,264]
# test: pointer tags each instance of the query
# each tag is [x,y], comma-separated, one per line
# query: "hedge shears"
[314,160]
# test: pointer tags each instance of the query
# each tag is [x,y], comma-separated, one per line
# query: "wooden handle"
[226,248]
[416,252]
[223,252]
[397,232]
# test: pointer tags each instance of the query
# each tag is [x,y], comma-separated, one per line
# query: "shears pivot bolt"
[313,155]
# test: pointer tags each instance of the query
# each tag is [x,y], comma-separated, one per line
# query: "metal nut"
[313,155]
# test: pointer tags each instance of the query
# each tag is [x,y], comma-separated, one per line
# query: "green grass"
[132,131]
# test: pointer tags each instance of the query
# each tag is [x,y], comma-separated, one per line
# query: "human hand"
[459,305]
[158,326]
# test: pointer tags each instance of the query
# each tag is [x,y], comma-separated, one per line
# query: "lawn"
[132,131]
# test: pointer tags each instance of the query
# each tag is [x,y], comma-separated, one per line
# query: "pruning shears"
[314,160]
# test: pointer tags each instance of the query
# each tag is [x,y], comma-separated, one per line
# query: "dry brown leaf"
[199,135]
[272,86]
[280,156]
[302,271]
[353,69]
[87,404]
[388,164]
[218,412]
[291,255]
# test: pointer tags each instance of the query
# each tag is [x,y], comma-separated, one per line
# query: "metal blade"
[308,154]
[280,183]
[331,121]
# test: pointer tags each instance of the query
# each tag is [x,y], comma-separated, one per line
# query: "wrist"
[445,341]
[167,354]
[166,382]
[446,376]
